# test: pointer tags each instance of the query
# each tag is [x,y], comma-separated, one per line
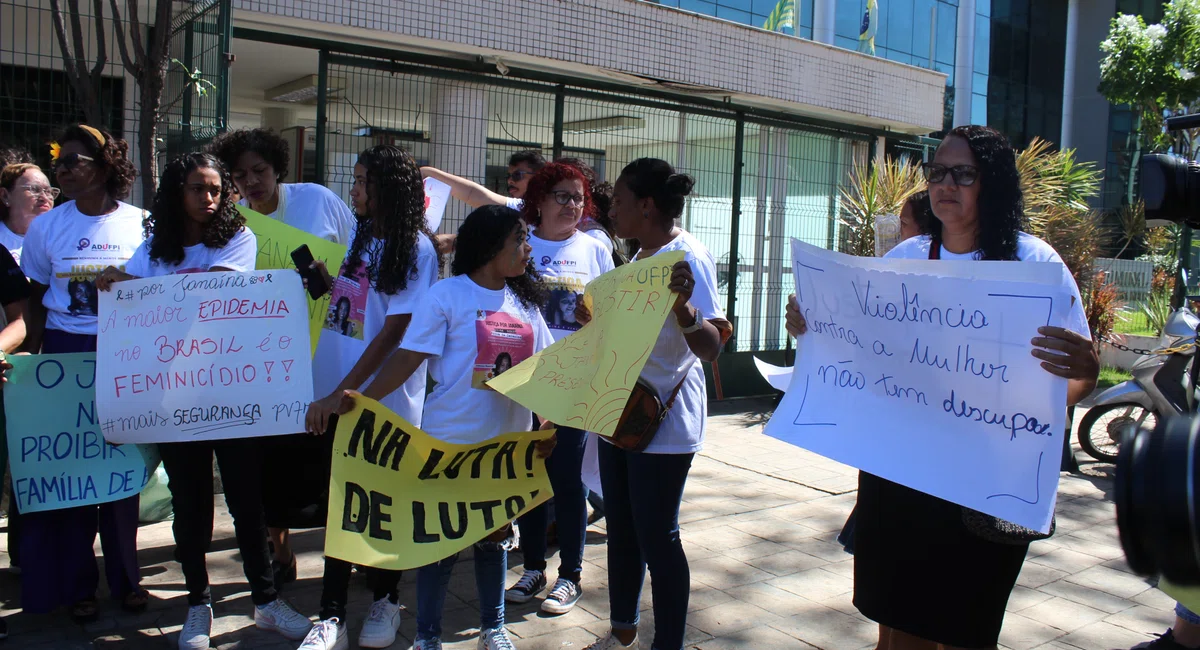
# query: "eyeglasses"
[963,175]
[41,190]
[72,160]
[518,175]
[563,198]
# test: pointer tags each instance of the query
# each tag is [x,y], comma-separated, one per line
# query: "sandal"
[135,602]
[84,611]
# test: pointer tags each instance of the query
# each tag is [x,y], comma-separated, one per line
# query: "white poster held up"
[203,356]
[437,195]
[928,381]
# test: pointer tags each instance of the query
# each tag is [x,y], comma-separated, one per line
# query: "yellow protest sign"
[584,380]
[276,241]
[1189,597]
[401,499]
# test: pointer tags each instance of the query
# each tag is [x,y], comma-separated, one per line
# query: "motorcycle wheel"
[1100,429]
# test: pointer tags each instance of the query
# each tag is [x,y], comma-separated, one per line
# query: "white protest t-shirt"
[673,361]
[566,267]
[316,210]
[473,334]
[239,254]
[12,241]
[66,249]
[1029,249]
[359,311]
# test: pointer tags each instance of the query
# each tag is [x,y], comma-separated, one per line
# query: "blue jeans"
[491,564]
[1186,614]
[642,493]
[565,468]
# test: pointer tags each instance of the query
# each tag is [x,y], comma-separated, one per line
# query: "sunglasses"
[518,175]
[963,175]
[563,198]
[71,161]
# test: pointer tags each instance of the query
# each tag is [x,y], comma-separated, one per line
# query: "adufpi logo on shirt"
[86,244]
[549,261]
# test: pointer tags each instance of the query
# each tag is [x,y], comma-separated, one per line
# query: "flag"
[870,25]
[784,15]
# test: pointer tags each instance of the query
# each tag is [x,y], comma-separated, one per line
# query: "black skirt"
[295,479]
[918,569]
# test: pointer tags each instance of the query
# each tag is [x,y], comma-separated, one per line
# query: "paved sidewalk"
[760,520]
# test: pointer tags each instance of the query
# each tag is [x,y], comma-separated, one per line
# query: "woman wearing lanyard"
[194,228]
[919,571]
[567,259]
[391,265]
[64,251]
[295,468]
[489,308]
[643,490]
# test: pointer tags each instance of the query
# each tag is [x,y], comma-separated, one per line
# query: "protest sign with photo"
[56,448]
[203,356]
[402,499]
[928,380]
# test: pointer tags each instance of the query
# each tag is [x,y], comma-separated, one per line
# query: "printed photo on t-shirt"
[84,296]
[502,341]
[559,310]
[348,304]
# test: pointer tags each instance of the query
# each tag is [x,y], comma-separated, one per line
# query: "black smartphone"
[318,283]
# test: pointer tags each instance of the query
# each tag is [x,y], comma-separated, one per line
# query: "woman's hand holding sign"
[796,325]
[1068,355]
[316,421]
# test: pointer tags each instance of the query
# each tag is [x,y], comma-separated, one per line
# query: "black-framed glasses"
[518,175]
[563,197]
[963,175]
[71,161]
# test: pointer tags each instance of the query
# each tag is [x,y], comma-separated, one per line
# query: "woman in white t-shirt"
[949,585]
[295,468]
[643,490]
[193,228]
[64,250]
[389,269]
[556,201]
[490,309]
[25,193]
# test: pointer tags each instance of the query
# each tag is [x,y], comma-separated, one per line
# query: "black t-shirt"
[13,285]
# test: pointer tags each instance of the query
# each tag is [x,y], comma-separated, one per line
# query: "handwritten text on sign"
[204,356]
[401,499]
[584,380]
[59,458]
[929,382]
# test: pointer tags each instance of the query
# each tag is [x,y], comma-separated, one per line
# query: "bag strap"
[935,249]
[675,393]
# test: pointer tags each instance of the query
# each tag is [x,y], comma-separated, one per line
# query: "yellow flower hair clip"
[55,150]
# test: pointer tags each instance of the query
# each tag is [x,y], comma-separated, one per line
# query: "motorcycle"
[1159,389]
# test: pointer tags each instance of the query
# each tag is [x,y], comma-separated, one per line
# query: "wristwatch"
[696,326]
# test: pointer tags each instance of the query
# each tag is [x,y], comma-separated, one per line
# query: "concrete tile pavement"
[760,522]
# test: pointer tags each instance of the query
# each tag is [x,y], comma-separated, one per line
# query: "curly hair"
[922,211]
[531,157]
[482,235]
[1001,205]
[230,146]
[112,157]
[396,195]
[656,179]
[14,156]
[166,224]
[543,182]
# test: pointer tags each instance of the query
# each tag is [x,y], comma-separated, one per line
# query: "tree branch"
[80,54]
[101,49]
[158,54]
[135,31]
[60,33]
[122,46]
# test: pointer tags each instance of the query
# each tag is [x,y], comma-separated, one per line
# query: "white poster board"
[203,356]
[437,194]
[928,380]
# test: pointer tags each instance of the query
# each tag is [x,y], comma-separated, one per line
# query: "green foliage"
[1157,310]
[874,190]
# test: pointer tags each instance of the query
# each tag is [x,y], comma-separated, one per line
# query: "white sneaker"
[428,644]
[610,642]
[495,639]
[379,630]
[278,616]
[329,634]
[562,597]
[195,632]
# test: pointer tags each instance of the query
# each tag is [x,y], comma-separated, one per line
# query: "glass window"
[848,19]
[947,28]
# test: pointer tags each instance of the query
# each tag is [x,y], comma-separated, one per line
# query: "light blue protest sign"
[58,454]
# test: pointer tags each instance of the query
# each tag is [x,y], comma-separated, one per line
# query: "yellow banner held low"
[401,499]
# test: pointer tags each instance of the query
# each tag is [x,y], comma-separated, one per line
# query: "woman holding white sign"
[194,228]
[491,307]
[643,490]
[392,263]
[924,569]
[557,199]
[295,468]
[64,250]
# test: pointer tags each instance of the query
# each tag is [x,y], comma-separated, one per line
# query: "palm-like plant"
[874,190]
